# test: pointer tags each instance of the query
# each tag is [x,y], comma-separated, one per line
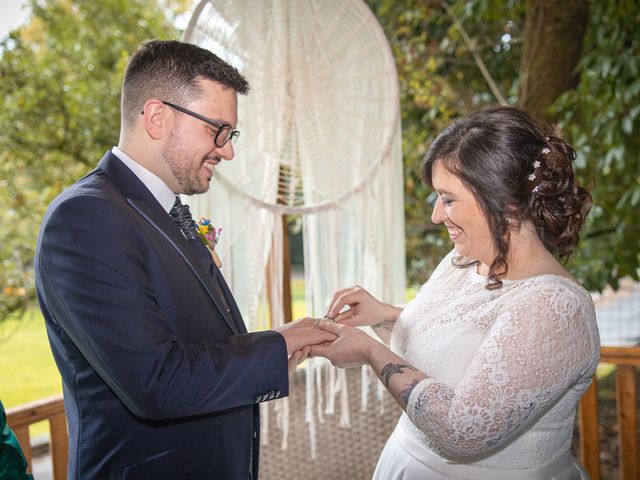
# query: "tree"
[439,81]
[553,36]
[60,81]
[601,117]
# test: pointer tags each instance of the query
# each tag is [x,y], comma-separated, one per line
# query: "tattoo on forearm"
[390,368]
[406,391]
[386,324]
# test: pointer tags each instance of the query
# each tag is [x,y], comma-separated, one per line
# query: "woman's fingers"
[349,296]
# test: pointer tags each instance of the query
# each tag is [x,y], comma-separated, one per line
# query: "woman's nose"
[438,216]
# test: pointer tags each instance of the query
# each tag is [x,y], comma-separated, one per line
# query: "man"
[161,379]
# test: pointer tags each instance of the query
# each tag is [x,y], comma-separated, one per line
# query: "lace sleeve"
[540,345]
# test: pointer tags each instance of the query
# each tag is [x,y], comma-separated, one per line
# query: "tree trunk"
[553,34]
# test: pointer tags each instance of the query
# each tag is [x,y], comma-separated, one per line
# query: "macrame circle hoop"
[321,139]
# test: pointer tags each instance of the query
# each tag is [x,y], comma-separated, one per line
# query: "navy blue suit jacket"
[159,380]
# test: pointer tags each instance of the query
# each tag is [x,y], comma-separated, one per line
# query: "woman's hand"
[297,357]
[351,348]
[363,310]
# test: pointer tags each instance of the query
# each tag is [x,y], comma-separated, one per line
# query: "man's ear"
[155,123]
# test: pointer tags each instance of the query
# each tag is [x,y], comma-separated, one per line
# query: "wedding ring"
[331,319]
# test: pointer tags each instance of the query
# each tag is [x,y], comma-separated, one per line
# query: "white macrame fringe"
[335,160]
[364,399]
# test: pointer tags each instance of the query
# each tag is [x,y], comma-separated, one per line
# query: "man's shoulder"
[95,187]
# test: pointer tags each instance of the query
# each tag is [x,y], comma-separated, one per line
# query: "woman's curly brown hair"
[516,171]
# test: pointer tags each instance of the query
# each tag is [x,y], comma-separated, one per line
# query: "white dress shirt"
[156,186]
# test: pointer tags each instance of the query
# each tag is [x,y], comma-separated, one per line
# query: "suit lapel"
[145,204]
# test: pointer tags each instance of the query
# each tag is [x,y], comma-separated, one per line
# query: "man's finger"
[320,350]
[329,326]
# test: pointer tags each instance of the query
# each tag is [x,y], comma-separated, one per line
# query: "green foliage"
[601,118]
[440,81]
[60,82]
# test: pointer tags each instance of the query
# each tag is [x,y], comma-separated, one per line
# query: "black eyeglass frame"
[220,127]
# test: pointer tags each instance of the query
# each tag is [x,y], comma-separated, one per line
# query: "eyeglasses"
[224,132]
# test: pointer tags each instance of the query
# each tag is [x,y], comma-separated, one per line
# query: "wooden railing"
[626,360]
[51,409]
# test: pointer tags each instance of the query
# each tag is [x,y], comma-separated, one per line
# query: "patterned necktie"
[182,216]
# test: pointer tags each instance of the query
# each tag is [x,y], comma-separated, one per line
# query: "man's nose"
[226,151]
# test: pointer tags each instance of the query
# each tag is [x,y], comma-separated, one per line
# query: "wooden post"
[286,271]
[588,422]
[286,275]
[59,445]
[626,397]
[22,434]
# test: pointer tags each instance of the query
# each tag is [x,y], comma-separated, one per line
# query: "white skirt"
[402,459]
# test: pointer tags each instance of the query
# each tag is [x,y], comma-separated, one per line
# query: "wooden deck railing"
[626,360]
[51,409]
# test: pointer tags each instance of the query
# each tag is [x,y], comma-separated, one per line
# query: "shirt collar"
[156,186]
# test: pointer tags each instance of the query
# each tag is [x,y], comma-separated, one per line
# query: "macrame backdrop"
[321,139]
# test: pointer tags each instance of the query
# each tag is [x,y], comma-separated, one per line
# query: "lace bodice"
[506,367]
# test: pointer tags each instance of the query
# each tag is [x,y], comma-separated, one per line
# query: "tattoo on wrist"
[391,368]
[386,324]
[406,391]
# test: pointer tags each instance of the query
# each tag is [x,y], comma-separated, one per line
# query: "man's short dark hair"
[170,70]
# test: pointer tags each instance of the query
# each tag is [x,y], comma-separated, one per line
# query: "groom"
[161,379]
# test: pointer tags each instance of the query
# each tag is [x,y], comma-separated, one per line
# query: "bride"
[491,358]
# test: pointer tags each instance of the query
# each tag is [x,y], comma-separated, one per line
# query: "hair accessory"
[536,188]
[546,151]
[536,164]
[532,177]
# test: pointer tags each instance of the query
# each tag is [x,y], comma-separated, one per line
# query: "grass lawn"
[27,369]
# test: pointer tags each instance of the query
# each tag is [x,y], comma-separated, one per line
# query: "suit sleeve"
[95,285]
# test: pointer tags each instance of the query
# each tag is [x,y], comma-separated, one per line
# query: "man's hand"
[302,333]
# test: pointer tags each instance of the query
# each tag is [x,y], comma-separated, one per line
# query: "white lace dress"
[506,370]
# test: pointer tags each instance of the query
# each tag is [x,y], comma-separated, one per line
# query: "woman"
[490,359]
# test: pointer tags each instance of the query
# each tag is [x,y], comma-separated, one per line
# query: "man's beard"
[182,168]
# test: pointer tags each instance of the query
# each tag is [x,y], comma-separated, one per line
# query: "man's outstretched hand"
[300,336]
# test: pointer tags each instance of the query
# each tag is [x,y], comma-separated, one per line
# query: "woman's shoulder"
[553,295]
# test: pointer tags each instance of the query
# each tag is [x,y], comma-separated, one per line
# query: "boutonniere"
[210,236]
